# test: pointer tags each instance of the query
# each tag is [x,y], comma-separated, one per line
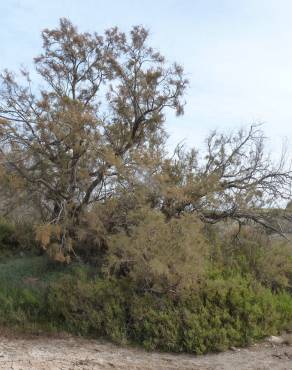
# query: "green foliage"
[24,235]
[7,234]
[221,314]
[15,270]
[231,312]
[156,323]
[239,293]
[222,311]
[16,238]
[23,290]
[275,265]
[253,252]
[86,307]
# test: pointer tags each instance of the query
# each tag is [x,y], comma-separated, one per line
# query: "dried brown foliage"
[96,118]
[87,147]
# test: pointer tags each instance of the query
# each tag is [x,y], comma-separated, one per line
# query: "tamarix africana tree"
[96,117]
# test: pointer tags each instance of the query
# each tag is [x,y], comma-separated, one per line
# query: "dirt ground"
[48,353]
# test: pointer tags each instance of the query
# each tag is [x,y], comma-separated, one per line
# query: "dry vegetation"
[114,236]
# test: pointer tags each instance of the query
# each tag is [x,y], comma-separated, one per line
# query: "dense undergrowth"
[235,304]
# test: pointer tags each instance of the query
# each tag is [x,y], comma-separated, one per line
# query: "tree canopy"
[86,144]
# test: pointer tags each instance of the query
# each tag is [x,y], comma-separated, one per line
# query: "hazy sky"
[237,53]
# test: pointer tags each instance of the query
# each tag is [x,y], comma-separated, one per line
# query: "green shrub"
[7,234]
[25,236]
[222,313]
[155,323]
[228,307]
[16,238]
[229,312]
[88,307]
[253,252]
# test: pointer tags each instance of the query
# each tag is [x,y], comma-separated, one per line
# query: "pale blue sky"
[236,53]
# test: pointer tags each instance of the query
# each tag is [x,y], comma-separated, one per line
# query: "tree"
[89,145]
[93,123]
[236,180]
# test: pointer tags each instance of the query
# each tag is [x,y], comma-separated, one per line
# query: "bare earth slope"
[46,353]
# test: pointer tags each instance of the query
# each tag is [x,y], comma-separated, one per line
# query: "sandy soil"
[46,353]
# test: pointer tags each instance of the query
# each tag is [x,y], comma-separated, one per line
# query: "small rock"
[275,340]
[234,349]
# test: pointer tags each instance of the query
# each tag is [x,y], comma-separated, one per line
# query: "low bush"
[16,238]
[158,254]
[7,234]
[234,300]
[221,312]
[88,307]
[254,252]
